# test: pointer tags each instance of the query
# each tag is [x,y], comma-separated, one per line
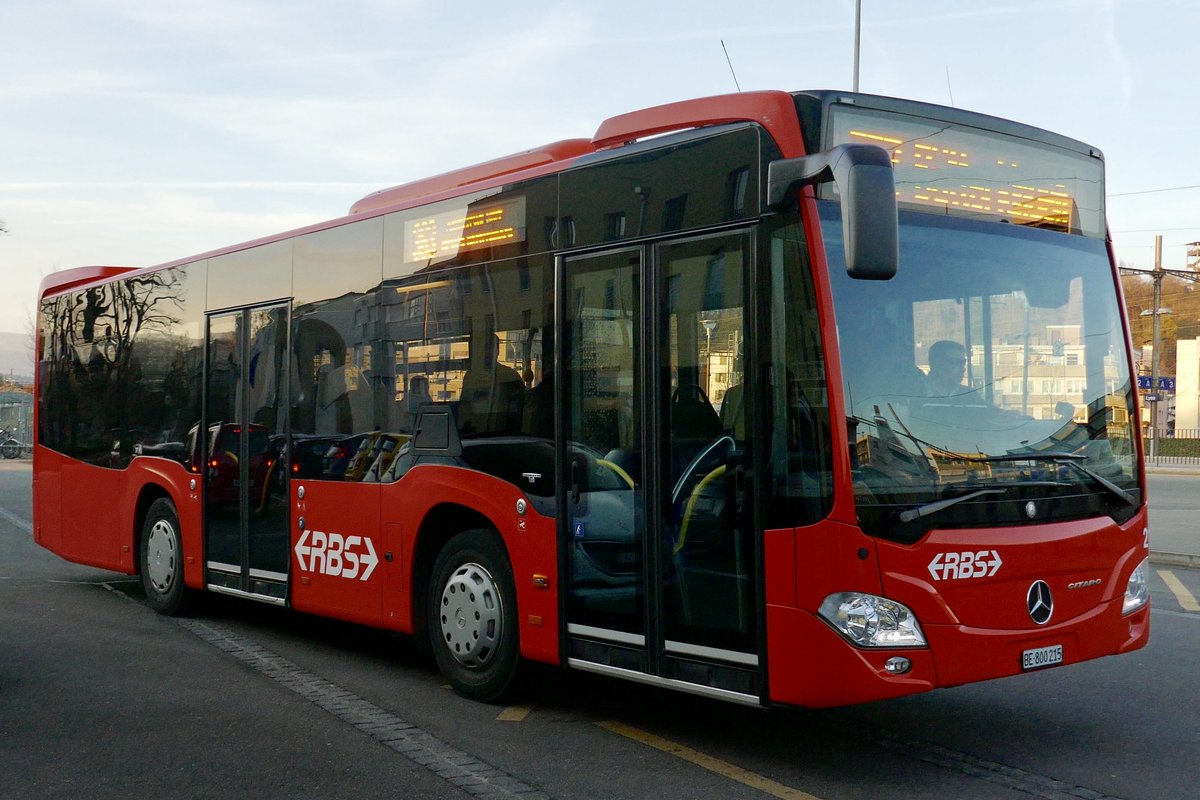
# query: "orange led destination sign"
[443,235]
[1044,206]
[973,171]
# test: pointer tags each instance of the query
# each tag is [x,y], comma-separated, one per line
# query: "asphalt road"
[1174,500]
[100,697]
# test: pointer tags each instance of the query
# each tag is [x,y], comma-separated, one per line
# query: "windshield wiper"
[1071,460]
[939,505]
[1115,490]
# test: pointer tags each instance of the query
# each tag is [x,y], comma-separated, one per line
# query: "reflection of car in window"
[337,458]
[222,462]
[307,457]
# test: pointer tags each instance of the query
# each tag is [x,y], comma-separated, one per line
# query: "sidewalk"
[1173,469]
[1174,536]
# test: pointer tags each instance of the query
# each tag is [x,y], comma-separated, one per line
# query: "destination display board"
[444,234]
[972,171]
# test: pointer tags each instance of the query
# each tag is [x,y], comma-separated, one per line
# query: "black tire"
[10,449]
[472,616]
[160,559]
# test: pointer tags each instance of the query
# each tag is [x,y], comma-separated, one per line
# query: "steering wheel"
[693,466]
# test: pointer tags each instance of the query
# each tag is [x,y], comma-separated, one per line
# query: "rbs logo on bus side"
[960,566]
[336,555]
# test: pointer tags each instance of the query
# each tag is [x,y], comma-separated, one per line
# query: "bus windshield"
[987,383]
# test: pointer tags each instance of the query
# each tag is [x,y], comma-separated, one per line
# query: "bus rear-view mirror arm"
[866,185]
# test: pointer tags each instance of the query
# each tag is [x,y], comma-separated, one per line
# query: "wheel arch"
[441,524]
[149,493]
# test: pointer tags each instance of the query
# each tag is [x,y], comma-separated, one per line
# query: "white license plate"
[1042,657]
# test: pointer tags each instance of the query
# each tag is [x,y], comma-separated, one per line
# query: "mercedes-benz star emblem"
[1039,602]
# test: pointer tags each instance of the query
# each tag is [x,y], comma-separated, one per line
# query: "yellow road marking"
[710,763]
[514,713]
[1186,599]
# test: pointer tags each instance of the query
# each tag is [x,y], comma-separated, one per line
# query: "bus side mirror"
[866,185]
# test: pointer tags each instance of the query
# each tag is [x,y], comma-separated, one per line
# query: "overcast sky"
[139,131]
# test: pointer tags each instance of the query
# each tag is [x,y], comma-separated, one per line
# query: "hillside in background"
[1182,322]
[16,357]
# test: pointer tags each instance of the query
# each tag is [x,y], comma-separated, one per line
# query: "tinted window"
[369,356]
[477,338]
[331,263]
[255,275]
[706,179]
[487,226]
[121,365]
[340,373]
[800,450]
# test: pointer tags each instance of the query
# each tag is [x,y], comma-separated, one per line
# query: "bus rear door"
[245,485]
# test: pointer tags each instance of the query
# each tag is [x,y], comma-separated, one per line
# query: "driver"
[947,367]
[946,391]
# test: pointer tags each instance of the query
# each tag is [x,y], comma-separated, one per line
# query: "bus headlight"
[868,620]
[1137,591]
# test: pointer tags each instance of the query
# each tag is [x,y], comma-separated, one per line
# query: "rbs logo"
[335,555]
[960,566]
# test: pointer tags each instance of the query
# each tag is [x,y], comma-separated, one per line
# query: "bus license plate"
[1042,657]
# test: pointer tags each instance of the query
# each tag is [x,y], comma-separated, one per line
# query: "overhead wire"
[1155,191]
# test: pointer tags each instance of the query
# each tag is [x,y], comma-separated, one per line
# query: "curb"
[1184,560]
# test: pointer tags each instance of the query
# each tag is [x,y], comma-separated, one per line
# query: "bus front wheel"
[473,616]
[161,558]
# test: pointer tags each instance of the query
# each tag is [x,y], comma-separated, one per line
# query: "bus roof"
[776,111]
[824,98]
[66,279]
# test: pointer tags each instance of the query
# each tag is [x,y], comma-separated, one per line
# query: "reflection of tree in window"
[113,349]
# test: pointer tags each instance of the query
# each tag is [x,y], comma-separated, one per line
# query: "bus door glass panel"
[265,386]
[605,523]
[218,449]
[707,551]
[246,508]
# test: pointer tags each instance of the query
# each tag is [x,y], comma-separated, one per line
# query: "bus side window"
[801,447]
[493,393]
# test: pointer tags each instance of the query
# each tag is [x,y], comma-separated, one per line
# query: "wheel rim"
[161,557]
[472,617]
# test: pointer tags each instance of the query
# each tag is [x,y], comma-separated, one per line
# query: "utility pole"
[1157,311]
[1158,273]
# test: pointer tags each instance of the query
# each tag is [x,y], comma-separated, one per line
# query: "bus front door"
[245,483]
[658,531]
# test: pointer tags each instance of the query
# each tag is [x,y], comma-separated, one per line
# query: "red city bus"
[805,398]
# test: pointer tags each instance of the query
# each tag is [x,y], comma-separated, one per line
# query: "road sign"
[1166,383]
[1153,398]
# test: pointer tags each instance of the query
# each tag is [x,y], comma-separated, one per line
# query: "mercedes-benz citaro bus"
[804,398]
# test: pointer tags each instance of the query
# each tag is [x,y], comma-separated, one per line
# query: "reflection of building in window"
[719,334]
[442,364]
[1049,378]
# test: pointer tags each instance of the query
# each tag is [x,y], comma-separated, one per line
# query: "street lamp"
[857,38]
[709,327]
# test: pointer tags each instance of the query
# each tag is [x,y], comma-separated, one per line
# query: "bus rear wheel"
[473,616]
[161,558]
